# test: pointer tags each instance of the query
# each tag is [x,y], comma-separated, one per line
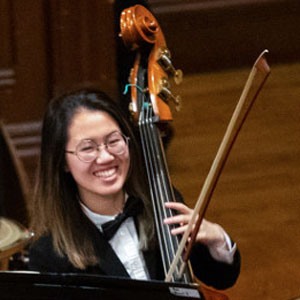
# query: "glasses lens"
[116,143]
[87,150]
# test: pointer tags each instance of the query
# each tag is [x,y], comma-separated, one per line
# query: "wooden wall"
[49,47]
[23,57]
[207,35]
[83,45]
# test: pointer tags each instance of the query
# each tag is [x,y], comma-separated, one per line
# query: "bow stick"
[258,75]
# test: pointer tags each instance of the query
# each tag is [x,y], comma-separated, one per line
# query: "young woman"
[90,173]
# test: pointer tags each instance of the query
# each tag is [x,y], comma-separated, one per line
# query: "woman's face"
[104,177]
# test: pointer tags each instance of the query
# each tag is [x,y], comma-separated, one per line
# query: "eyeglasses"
[88,150]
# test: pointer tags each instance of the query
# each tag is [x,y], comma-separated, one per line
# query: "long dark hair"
[56,209]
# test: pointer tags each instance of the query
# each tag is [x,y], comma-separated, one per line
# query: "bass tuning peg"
[166,94]
[164,59]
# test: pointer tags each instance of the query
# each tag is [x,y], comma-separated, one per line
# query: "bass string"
[160,188]
[155,183]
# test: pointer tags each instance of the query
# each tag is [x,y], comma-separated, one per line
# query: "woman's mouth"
[106,173]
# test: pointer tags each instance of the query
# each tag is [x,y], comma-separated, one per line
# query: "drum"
[13,238]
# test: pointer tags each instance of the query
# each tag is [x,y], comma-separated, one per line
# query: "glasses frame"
[75,152]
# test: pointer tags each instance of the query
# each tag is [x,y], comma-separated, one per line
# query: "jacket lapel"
[109,261]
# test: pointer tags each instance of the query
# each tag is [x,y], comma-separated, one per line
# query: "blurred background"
[50,47]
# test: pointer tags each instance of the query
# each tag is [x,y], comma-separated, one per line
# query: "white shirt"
[126,245]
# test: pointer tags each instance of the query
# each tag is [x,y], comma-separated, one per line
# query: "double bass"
[150,109]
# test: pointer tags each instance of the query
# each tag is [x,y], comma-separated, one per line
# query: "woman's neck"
[110,205]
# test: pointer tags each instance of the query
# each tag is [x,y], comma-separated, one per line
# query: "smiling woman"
[90,174]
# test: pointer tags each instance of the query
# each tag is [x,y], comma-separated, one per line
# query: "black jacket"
[43,258]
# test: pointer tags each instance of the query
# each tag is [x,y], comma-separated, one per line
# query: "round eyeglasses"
[88,150]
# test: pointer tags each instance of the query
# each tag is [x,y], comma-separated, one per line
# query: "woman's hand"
[210,234]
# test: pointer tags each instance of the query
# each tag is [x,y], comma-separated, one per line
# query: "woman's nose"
[103,154]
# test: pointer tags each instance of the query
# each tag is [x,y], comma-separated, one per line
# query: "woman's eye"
[87,148]
[112,142]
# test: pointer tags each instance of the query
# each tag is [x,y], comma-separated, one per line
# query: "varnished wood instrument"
[150,99]
[150,94]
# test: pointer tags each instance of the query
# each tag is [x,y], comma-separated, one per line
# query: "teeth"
[106,173]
